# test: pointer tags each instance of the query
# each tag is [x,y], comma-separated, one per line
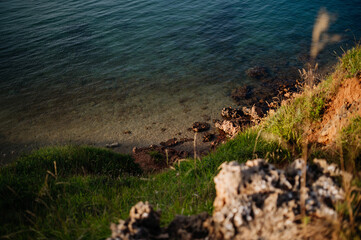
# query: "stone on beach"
[200,126]
[112,145]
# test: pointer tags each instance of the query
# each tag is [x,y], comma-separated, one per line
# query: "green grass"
[157,157]
[291,120]
[287,122]
[74,205]
[351,144]
[351,62]
[32,185]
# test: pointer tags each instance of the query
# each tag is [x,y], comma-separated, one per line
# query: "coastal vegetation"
[74,192]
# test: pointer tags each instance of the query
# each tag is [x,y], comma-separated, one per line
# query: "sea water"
[88,71]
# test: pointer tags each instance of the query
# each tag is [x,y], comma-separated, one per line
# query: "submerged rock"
[241,93]
[258,72]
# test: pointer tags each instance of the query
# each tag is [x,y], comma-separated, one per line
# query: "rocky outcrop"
[254,200]
[237,119]
[257,201]
[230,127]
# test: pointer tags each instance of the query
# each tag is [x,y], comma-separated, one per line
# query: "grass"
[351,62]
[74,192]
[157,157]
[78,205]
[351,144]
[292,121]
[31,187]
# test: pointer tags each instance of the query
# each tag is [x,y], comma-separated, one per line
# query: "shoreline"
[173,121]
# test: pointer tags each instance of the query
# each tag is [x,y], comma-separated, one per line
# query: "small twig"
[55,170]
[166,156]
[255,144]
[52,174]
[303,179]
[195,148]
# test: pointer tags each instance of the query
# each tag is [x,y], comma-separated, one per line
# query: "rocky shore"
[266,86]
[253,105]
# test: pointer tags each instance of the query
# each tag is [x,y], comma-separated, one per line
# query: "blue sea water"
[70,64]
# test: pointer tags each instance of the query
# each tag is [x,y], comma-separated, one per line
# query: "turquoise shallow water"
[92,69]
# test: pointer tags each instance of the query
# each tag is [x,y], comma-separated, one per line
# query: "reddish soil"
[344,105]
[155,158]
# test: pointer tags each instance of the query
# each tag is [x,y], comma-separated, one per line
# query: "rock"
[208,137]
[230,127]
[175,142]
[134,150]
[200,126]
[170,143]
[257,72]
[188,228]
[237,119]
[230,112]
[127,132]
[254,200]
[112,145]
[219,139]
[257,201]
[183,140]
[143,223]
[254,112]
[241,93]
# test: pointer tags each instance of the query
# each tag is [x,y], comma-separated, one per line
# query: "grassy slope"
[94,187]
[76,205]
